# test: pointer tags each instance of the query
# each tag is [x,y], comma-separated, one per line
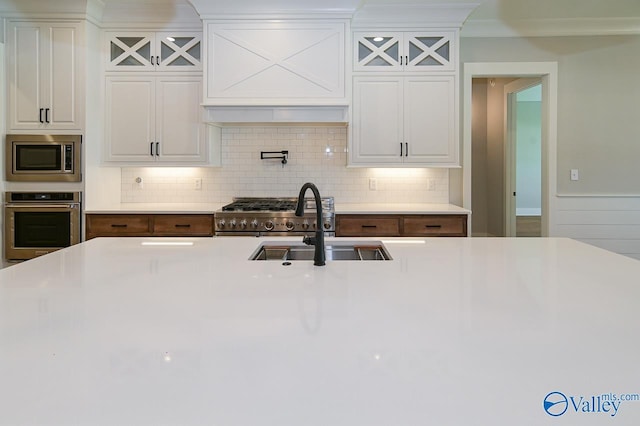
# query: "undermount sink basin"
[371,250]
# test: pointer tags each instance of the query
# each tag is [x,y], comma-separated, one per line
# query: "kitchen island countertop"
[452,331]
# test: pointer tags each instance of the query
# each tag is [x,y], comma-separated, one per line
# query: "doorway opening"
[509,147]
[523,166]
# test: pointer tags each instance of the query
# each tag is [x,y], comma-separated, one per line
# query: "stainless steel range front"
[273,216]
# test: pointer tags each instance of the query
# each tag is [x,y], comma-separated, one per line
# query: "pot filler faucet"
[318,240]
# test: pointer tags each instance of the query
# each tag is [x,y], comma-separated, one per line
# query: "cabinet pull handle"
[118,225]
[157,149]
[433,226]
[46,115]
[152,60]
[401,155]
[179,225]
[369,226]
[157,60]
[151,149]
[41,111]
[400,60]
[406,149]
[406,60]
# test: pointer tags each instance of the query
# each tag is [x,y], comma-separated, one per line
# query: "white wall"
[3,131]
[598,130]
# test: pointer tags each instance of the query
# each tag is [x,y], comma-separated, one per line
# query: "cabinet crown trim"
[418,15]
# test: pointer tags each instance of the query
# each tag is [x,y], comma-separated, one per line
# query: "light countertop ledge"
[399,208]
[340,208]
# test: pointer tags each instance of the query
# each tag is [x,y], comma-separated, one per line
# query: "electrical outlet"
[139,183]
[373,184]
[197,184]
[431,184]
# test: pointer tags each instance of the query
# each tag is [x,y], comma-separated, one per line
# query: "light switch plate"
[373,184]
[574,174]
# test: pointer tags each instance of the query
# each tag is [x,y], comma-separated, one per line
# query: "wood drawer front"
[445,225]
[183,224]
[367,226]
[110,225]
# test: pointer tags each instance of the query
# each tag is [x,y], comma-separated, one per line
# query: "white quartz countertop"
[399,208]
[157,208]
[452,331]
[340,208]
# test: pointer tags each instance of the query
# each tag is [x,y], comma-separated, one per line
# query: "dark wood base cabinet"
[393,225]
[148,225]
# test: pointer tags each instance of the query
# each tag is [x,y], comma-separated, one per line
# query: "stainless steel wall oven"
[37,223]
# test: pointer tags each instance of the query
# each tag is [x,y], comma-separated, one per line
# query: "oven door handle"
[41,206]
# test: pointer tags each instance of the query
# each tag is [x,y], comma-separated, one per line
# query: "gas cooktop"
[261,204]
[272,216]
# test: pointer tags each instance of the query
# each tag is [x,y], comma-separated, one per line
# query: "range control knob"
[232,223]
[254,223]
[243,224]
[289,225]
[305,224]
[327,225]
[268,225]
[221,224]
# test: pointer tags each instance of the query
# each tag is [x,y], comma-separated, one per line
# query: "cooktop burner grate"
[261,205]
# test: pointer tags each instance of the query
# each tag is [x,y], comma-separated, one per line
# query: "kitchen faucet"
[318,240]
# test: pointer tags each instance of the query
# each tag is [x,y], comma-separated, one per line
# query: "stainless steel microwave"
[43,158]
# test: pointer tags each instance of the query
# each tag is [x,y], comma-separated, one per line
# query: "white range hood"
[289,115]
[286,61]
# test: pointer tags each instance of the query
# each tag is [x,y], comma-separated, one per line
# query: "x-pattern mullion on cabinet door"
[428,51]
[379,52]
[131,51]
[180,52]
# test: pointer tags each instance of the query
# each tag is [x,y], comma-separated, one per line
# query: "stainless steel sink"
[370,250]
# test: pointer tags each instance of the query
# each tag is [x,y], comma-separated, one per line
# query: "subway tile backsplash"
[316,154]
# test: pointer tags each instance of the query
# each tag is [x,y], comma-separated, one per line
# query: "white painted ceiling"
[488,17]
[487,9]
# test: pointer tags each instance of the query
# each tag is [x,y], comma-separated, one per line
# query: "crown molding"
[550,27]
[274,9]
[438,15]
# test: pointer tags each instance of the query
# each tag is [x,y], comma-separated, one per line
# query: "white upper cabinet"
[405,51]
[154,51]
[153,119]
[275,63]
[404,121]
[405,96]
[45,69]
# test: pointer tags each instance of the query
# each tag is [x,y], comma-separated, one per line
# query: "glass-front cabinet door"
[384,51]
[378,51]
[141,51]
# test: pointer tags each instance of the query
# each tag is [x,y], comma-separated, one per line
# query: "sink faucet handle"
[310,241]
